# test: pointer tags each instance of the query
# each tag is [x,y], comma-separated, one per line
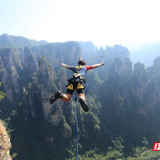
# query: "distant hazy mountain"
[146,54]
[18,41]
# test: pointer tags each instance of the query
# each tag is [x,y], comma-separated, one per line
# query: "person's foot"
[83,104]
[57,95]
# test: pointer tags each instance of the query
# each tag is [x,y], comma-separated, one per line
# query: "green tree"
[2,94]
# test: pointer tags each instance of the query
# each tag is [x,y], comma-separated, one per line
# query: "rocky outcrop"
[9,74]
[47,86]
[156,64]
[139,80]
[29,62]
[121,68]
[141,84]
[27,74]
[5,144]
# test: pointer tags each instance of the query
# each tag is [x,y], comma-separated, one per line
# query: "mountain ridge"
[18,41]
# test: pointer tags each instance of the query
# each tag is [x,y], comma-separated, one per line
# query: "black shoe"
[57,95]
[83,104]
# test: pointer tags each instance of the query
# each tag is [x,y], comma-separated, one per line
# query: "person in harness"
[77,81]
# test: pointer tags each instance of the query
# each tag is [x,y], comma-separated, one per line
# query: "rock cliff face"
[29,62]
[47,86]
[35,72]
[30,76]
[5,144]
[141,84]
[9,74]
[153,89]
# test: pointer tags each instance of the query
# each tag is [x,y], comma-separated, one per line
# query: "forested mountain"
[123,121]
[14,41]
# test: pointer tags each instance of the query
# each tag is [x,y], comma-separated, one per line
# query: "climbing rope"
[76,127]
[76,135]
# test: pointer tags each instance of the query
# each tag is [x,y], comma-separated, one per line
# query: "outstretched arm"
[98,65]
[64,65]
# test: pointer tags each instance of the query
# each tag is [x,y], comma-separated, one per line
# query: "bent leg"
[81,95]
[82,101]
[66,97]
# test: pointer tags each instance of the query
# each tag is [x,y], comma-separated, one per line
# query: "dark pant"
[75,83]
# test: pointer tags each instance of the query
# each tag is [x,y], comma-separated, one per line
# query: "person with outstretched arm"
[77,81]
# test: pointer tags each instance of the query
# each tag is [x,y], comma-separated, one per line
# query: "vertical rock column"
[5,144]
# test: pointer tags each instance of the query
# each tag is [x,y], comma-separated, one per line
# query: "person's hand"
[102,63]
[62,64]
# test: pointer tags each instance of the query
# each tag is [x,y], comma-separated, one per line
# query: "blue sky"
[104,22]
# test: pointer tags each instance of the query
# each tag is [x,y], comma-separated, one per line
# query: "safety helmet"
[81,61]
